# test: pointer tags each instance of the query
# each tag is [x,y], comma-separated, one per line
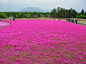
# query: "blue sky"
[7,5]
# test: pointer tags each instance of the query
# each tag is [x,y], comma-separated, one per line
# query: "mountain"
[32,9]
[19,8]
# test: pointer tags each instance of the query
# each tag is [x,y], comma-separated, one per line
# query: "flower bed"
[42,42]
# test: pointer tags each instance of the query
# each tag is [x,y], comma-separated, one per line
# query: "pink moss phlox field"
[42,42]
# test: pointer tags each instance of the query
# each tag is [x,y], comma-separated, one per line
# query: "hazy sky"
[6,5]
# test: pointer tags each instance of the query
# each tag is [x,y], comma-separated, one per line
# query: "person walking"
[59,19]
[5,19]
[76,21]
[68,19]
[73,20]
[10,18]
[13,18]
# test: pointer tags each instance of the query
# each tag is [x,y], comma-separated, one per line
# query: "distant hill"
[32,9]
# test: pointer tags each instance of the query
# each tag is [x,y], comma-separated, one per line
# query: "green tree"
[62,12]
[16,16]
[3,15]
[28,15]
[82,11]
[85,13]
[82,16]
[74,13]
[8,14]
[47,14]
[53,13]
[58,10]
[39,15]
[19,15]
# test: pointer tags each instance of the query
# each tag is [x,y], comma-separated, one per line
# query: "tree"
[53,13]
[16,16]
[47,14]
[39,15]
[58,10]
[3,15]
[82,16]
[28,15]
[8,14]
[19,15]
[66,13]
[62,13]
[71,13]
[85,13]
[82,11]
[74,13]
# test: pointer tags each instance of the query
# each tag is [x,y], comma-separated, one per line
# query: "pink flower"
[35,41]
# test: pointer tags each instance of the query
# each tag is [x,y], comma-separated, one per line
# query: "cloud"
[47,4]
[4,1]
[16,2]
[26,1]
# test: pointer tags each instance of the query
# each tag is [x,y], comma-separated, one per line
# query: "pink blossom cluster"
[42,42]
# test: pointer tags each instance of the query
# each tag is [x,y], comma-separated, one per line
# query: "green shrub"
[82,16]
[3,15]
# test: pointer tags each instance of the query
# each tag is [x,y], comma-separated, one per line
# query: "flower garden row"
[42,42]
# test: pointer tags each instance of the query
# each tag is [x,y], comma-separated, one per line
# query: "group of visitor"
[9,18]
[72,20]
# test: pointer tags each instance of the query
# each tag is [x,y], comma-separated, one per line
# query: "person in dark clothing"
[76,21]
[72,20]
[59,19]
[10,19]
[13,18]
[66,19]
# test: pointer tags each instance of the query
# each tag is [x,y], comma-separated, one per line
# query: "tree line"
[24,14]
[55,13]
[67,13]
